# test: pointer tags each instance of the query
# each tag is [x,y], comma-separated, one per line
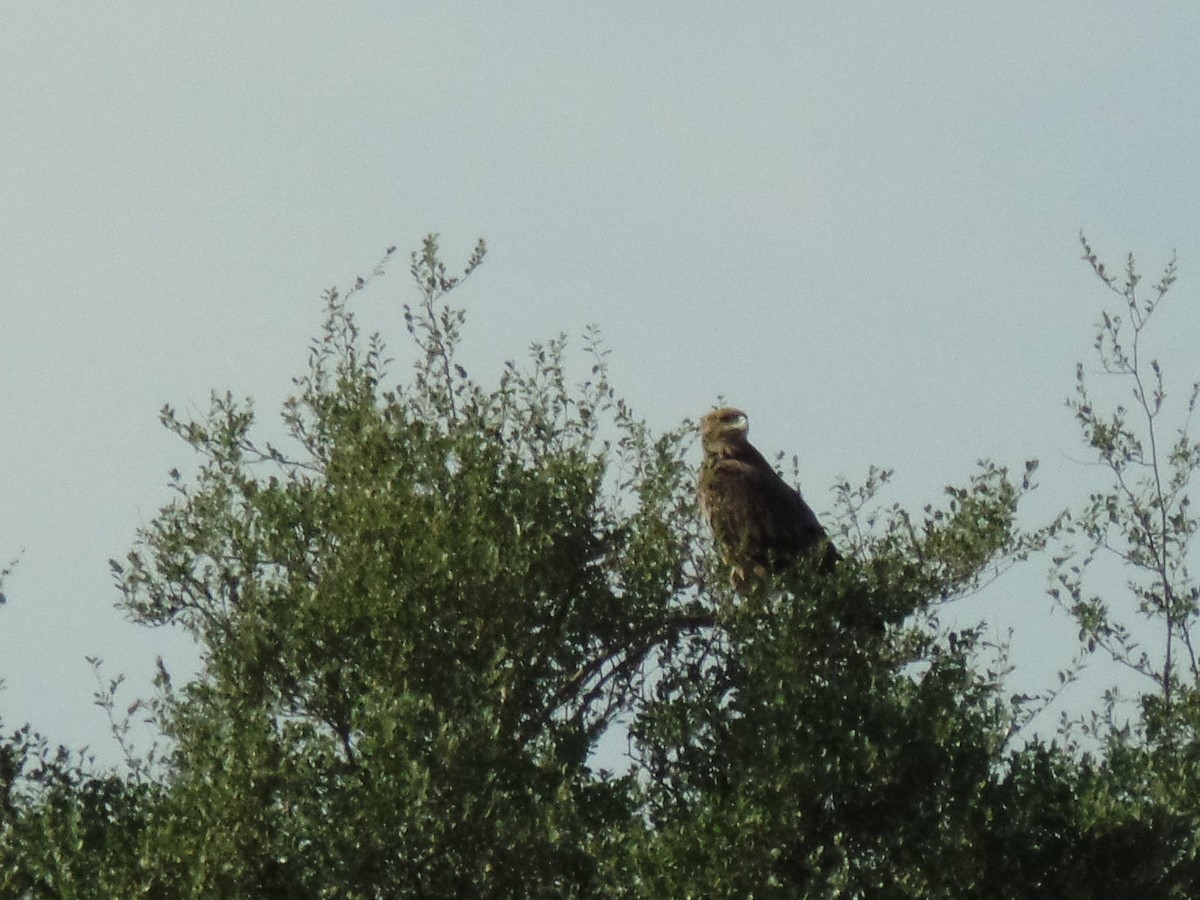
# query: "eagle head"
[723,429]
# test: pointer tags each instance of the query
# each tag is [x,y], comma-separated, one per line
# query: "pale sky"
[857,221]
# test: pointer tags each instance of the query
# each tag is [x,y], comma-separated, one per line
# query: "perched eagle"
[759,522]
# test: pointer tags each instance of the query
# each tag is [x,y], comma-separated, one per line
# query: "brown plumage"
[760,523]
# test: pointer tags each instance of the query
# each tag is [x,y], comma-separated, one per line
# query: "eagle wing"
[757,517]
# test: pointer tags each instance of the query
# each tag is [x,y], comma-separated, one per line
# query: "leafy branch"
[1144,520]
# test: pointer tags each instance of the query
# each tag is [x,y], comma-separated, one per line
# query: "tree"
[423,607]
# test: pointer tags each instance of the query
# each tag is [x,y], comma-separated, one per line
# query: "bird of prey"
[760,523]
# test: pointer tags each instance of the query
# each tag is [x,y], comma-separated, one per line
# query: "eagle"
[759,522]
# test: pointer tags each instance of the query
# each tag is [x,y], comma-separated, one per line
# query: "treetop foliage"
[424,609]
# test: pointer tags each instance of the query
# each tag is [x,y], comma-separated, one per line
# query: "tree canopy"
[422,610]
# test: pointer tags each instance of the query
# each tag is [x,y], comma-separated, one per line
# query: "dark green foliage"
[65,831]
[422,609]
